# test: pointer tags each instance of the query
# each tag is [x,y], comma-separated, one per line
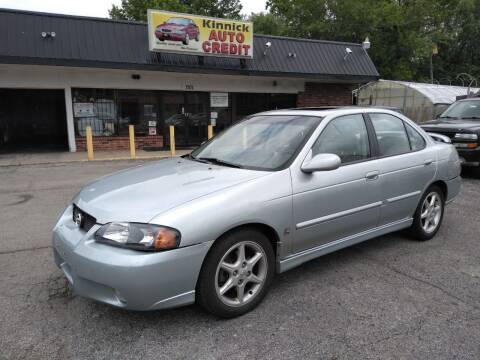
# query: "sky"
[98,8]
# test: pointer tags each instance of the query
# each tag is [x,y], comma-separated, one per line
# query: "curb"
[86,160]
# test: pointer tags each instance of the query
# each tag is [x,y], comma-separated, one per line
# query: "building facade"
[60,74]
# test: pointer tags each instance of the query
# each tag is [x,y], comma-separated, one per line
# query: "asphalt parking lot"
[390,297]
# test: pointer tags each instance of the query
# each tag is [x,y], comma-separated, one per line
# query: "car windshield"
[469,109]
[177,21]
[266,142]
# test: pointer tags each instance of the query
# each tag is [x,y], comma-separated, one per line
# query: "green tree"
[459,50]
[267,24]
[137,9]
[401,31]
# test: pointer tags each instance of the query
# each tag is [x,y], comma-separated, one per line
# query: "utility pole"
[434,51]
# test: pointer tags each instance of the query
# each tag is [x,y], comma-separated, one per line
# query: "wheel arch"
[271,234]
[442,185]
[265,229]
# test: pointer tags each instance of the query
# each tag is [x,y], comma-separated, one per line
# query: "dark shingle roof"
[96,42]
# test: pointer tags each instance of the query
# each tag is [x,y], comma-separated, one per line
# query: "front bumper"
[126,278]
[170,36]
[469,157]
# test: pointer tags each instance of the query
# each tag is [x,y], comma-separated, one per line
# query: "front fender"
[265,200]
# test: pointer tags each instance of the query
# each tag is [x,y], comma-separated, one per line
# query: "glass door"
[197,117]
[188,112]
[173,108]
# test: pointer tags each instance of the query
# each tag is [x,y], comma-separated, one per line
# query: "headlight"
[466,136]
[145,237]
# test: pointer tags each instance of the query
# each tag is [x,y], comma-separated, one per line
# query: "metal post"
[210,131]
[70,121]
[89,142]
[431,67]
[131,134]
[172,140]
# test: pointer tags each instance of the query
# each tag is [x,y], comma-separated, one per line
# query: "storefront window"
[95,108]
[109,112]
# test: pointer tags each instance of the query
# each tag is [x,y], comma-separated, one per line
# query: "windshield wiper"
[471,117]
[219,162]
[191,157]
[447,117]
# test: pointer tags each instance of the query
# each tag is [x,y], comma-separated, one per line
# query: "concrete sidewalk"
[16,159]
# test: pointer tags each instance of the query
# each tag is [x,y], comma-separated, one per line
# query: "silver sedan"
[268,194]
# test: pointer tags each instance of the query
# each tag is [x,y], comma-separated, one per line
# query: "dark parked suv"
[461,123]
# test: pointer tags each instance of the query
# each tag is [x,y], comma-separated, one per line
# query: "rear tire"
[233,281]
[428,216]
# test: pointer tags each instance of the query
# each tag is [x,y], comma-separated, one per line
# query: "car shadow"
[281,287]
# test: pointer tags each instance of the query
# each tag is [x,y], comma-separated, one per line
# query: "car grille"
[82,219]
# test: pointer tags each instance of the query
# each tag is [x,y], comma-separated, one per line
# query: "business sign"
[83,109]
[218,99]
[199,35]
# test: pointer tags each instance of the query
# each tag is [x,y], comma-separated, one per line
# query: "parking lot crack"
[22,250]
[425,282]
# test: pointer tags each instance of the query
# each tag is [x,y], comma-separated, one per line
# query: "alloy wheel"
[431,212]
[241,273]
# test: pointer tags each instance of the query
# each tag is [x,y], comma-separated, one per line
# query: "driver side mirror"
[321,162]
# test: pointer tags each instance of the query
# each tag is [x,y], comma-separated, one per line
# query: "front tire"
[236,273]
[186,40]
[429,214]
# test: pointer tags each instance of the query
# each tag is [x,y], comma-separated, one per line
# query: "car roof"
[329,110]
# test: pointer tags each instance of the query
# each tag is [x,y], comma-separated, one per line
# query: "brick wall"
[316,94]
[119,142]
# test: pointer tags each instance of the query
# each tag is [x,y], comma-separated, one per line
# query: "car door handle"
[428,162]
[372,175]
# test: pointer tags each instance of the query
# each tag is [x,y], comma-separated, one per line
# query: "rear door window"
[391,134]
[417,142]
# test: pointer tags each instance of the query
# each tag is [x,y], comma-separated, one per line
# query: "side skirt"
[310,254]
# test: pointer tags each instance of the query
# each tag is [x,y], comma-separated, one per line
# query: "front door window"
[345,136]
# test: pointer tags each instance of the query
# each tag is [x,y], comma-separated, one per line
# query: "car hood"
[451,125]
[140,193]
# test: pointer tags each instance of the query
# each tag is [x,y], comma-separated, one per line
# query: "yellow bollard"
[210,131]
[172,140]
[89,137]
[131,134]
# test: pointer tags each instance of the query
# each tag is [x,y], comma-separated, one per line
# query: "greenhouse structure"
[419,101]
